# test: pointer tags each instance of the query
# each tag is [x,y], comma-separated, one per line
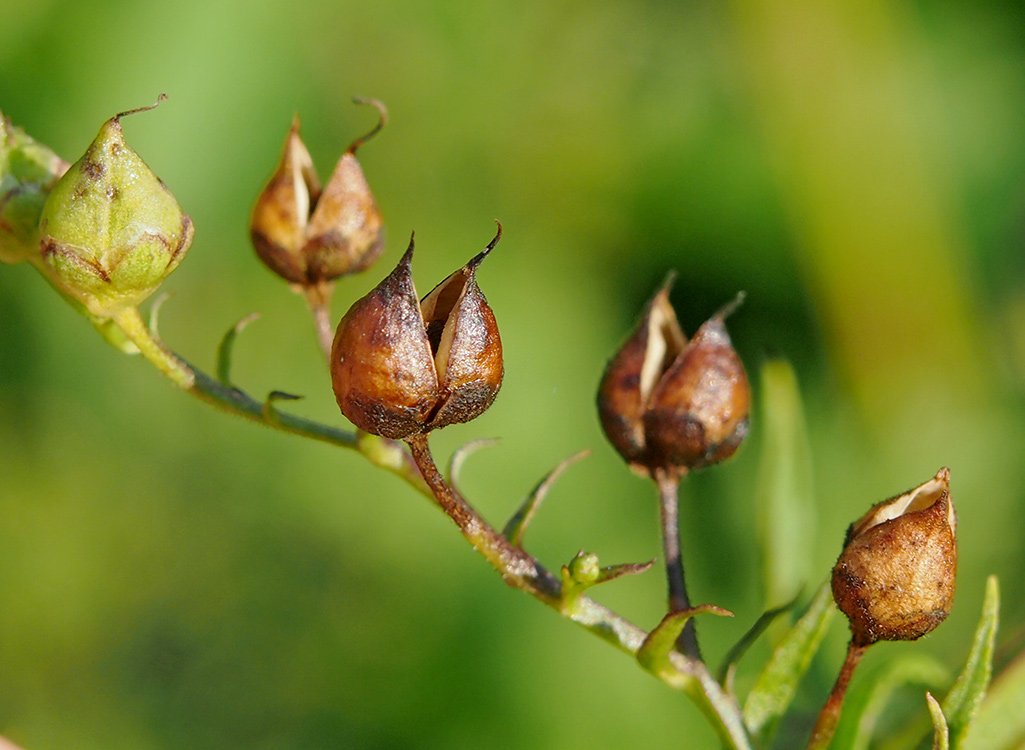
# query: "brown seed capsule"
[666,403]
[895,577]
[401,367]
[310,236]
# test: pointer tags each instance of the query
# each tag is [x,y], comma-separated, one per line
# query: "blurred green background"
[171,577]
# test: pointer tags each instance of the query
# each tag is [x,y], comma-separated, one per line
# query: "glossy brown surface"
[697,414]
[401,367]
[382,368]
[468,353]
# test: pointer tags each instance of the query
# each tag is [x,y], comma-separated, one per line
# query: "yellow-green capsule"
[111,230]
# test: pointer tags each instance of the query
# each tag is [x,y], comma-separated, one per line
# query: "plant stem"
[520,570]
[195,382]
[825,726]
[669,504]
[319,300]
[417,467]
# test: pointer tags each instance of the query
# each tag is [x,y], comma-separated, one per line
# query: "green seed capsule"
[111,230]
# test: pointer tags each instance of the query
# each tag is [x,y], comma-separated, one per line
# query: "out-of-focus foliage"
[173,578]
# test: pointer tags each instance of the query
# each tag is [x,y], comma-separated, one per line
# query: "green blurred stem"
[522,571]
[825,726]
[318,298]
[669,505]
[417,467]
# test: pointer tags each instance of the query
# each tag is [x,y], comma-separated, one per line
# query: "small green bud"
[585,569]
[110,230]
[28,170]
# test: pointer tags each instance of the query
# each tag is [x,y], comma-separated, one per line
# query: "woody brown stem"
[669,503]
[829,716]
[522,571]
[518,568]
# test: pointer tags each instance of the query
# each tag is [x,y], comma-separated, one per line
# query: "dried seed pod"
[400,367]
[666,403]
[110,229]
[463,333]
[28,171]
[895,577]
[310,236]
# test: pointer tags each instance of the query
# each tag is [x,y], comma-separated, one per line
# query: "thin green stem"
[720,708]
[319,300]
[195,382]
[170,365]
[668,490]
[825,726]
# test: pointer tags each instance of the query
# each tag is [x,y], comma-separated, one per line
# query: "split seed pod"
[310,236]
[110,230]
[670,404]
[402,367]
[895,577]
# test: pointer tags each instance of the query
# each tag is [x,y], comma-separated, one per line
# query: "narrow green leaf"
[653,654]
[941,734]
[154,313]
[517,525]
[775,687]
[871,694]
[784,497]
[729,662]
[612,572]
[226,346]
[270,411]
[970,686]
[1000,723]
[463,452]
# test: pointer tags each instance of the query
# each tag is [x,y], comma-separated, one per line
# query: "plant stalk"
[417,467]
[520,570]
[318,298]
[829,716]
[195,382]
[669,506]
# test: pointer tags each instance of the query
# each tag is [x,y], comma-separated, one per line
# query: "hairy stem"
[668,490]
[825,726]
